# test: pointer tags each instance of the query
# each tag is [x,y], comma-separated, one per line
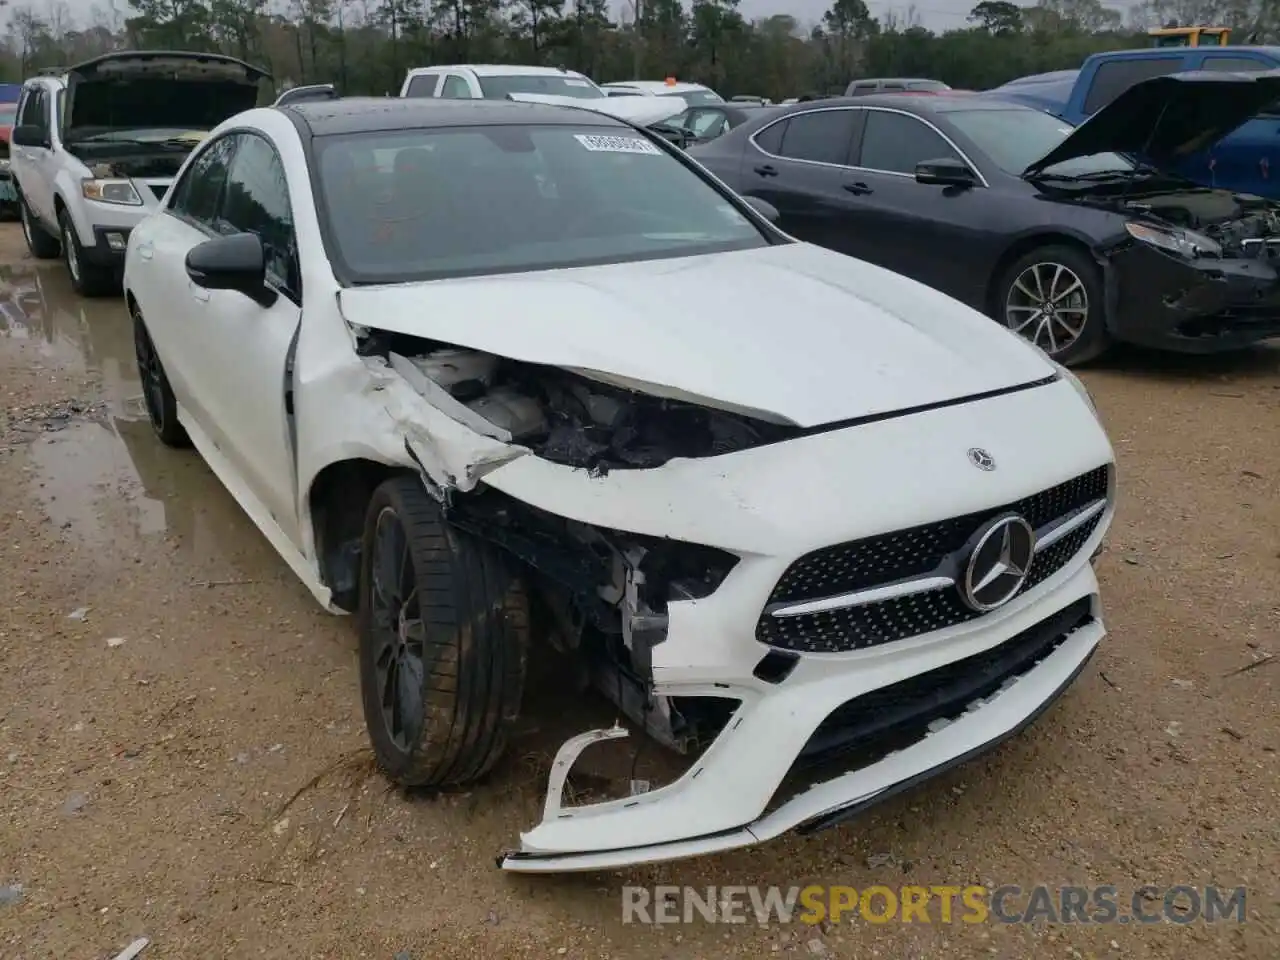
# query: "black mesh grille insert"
[874,561]
[909,706]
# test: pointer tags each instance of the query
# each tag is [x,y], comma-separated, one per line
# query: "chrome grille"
[915,552]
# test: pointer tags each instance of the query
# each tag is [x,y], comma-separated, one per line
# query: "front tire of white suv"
[42,244]
[88,279]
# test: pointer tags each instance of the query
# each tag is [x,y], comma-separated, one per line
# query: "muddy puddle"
[92,461]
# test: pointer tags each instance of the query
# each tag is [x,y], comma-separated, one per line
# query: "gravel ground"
[182,755]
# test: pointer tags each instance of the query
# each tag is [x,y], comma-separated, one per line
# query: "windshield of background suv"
[1016,138]
[430,204]
[497,88]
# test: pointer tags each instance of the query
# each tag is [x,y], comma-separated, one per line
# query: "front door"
[235,376]
[912,228]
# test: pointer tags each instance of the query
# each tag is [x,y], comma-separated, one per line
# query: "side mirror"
[763,207]
[236,263]
[948,172]
[30,135]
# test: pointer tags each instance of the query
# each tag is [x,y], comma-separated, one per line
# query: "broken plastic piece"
[133,949]
[566,756]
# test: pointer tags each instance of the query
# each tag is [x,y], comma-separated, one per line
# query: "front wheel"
[1053,296]
[444,628]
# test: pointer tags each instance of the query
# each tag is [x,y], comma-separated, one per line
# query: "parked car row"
[1073,237]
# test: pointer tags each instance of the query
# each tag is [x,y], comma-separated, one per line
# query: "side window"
[822,137]
[1114,77]
[1234,64]
[455,88]
[423,85]
[894,85]
[35,109]
[895,143]
[770,138]
[199,194]
[257,201]
[861,89]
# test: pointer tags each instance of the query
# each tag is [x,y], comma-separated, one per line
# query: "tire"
[88,279]
[162,408]
[466,612]
[42,244]
[1076,282]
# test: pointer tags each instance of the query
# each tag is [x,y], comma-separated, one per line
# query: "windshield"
[1015,138]
[431,204]
[497,88]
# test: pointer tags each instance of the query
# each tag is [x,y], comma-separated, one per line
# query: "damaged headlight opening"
[1175,240]
[603,595]
[111,191]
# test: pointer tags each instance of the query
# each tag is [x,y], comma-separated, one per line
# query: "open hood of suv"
[159,88]
[1165,119]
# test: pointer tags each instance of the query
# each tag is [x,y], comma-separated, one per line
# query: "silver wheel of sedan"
[1048,304]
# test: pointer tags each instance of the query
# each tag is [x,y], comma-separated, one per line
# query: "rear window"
[438,203]
[497,88]
[1114,77]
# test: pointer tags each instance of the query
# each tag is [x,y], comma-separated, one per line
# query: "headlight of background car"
[111,191]
[4,164]
[1184,243]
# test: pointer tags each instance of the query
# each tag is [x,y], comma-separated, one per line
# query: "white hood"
[795,331]
[639,110]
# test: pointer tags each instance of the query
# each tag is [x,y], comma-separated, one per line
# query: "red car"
[8,195]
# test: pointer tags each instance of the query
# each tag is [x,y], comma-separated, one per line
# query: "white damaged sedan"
[506,377]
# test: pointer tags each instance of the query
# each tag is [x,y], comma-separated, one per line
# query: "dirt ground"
[166,686]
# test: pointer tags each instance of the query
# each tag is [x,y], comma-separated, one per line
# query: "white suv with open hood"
[95,149]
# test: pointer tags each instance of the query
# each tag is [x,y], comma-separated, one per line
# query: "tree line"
[365,46]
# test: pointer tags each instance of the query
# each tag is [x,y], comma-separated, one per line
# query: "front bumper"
[771,505]
[744,767]
[1203,306]
[109,246]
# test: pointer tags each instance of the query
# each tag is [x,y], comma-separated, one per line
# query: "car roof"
[896,80]
[657,85]
[499,70]
[943,101]
[369,114]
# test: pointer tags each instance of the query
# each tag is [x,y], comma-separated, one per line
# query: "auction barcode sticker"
[599,144]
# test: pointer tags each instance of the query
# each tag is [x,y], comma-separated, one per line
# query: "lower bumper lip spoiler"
[825,805]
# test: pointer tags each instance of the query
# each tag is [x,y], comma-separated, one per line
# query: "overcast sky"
[937,15]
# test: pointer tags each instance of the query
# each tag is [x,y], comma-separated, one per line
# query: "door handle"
[858,189]
[767,170]
[199,293]
[145,251]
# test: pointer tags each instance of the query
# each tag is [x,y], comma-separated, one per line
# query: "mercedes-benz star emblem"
[999,563]
[981,459]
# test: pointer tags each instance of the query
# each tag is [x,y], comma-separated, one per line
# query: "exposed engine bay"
[1245,226]
[602,595]
[104,164]
[565,417]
